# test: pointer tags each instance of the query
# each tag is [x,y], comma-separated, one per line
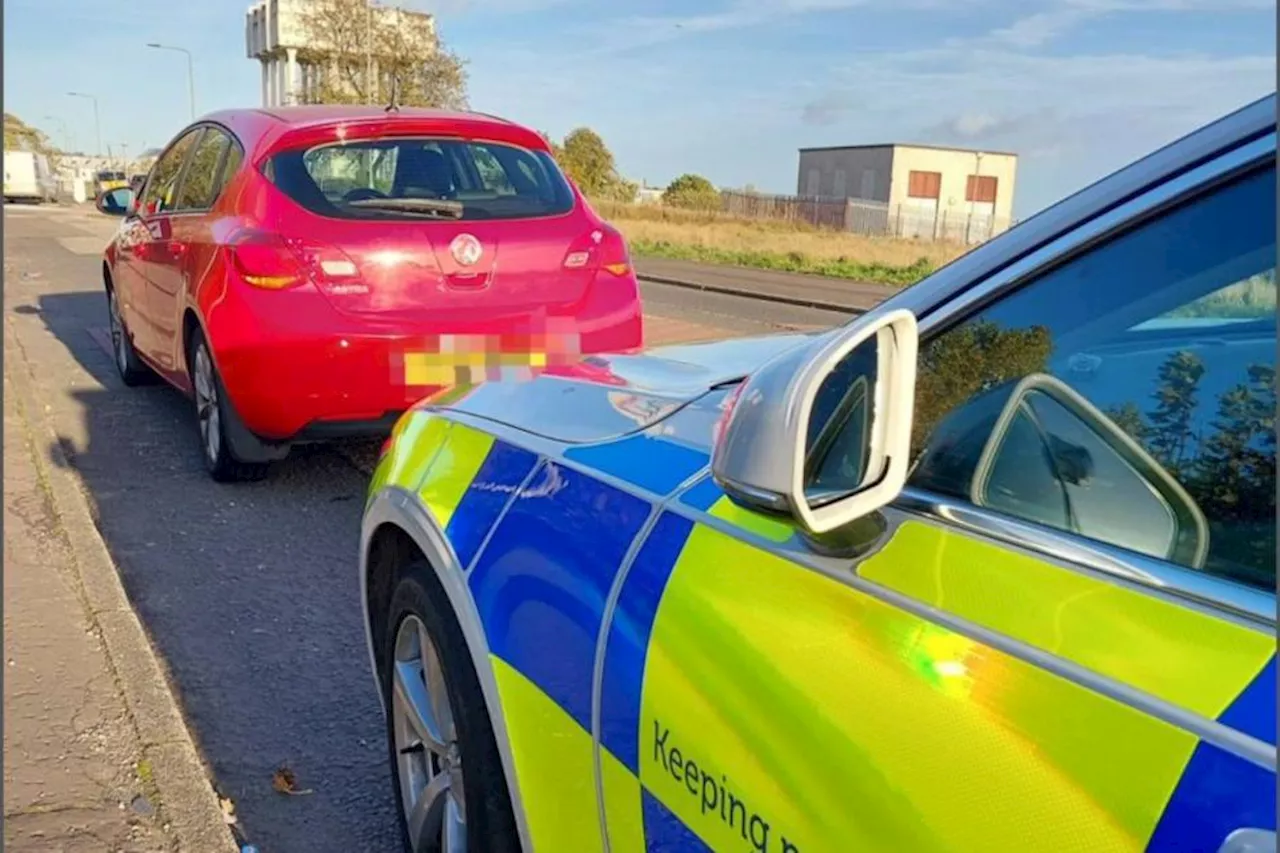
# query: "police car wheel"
[446,770]
[132,369]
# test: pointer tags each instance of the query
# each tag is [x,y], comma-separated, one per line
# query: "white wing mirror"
[823,432]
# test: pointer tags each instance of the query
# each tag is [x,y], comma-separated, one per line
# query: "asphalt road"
[248,592]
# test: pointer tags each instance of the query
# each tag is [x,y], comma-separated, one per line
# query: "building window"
[924,184]
[981,188]
[837,184]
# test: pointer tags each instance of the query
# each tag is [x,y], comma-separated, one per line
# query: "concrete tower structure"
[294,64]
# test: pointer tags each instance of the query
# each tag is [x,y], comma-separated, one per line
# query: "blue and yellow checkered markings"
[663,456]
[541,587]
[777,533]
[504,468]
[1220,792]
[703,494]
[541,582]
[647,460]
[1254,711]
[666,833]
[1217,794]
[628,639]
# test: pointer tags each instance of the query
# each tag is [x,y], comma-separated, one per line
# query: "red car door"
[187,253]
[152,249]
[128,281]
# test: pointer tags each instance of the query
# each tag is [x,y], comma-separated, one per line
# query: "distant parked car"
[991,567]
[107,180]
[311,272]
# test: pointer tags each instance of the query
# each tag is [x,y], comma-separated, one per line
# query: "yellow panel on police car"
[416,438]
[555,768]
[816,717]
[453,470]
[754,522]
[1181,655]
[622,805]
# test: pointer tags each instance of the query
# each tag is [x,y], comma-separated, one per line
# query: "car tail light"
[602,248]
[264,260]
[331,269]
[614,256]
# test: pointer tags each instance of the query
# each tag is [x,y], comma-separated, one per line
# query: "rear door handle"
[1249,841]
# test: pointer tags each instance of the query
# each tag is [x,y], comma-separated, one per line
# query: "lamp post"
[62,129]
[191,72]
[97,126]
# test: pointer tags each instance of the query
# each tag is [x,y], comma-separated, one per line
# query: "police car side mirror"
[823,432]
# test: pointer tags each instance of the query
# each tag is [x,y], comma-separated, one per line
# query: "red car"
[310,272]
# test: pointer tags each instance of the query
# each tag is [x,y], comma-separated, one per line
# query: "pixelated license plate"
[467,359]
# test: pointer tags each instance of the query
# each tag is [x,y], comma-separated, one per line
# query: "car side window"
[1128,395]
[200,183]
[231,165]
[160,194]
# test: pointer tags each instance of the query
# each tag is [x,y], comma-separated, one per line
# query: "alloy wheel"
[119,343]
[207,410]
[426,743]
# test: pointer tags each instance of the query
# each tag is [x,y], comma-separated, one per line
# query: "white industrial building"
[294,63]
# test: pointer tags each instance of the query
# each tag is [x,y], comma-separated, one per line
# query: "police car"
[989,568]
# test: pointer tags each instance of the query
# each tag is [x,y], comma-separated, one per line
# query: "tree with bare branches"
[368,54]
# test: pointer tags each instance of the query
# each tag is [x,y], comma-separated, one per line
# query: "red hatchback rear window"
[422,179]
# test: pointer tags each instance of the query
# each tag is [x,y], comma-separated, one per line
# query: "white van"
[27,177]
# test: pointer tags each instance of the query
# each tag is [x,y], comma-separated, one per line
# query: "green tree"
[589,162]
[20,136]
[692,192]
[1234,479]
[969,360]
[403,50]
[557,152]
[1169,434]
[1129,418]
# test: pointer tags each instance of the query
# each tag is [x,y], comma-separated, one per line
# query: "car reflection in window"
[1037,450]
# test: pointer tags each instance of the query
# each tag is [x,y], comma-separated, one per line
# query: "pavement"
[208,634]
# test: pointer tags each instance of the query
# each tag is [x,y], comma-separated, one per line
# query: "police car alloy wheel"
[445,765]
[429,760]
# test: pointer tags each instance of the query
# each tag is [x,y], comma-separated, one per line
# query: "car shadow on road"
[249,593]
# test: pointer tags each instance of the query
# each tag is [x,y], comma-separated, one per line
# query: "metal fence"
[873,218]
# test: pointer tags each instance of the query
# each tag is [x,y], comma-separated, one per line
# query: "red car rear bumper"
[295,368]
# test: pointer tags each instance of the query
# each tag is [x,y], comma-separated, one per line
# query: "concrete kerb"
[188,802]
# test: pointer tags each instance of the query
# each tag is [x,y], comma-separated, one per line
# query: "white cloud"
[1060,17]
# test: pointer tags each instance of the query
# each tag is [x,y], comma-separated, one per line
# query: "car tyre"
[213,412]
[429,684]
[132,369]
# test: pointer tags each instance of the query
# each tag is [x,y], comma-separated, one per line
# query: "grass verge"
[717,238]
[789,262]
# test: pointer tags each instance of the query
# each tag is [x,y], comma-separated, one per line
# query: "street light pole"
[191,73]
[97,126]
[62,127]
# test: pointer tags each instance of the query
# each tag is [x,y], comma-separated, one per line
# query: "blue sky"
[727,88]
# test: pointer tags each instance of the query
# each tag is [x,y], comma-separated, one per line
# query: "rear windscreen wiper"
[437,207]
